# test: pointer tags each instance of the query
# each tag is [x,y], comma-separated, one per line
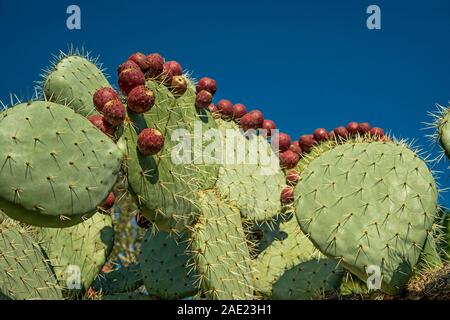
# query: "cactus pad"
[254,186]
[164,268]
[73,81]
[290,267]
[24,272]
[56,168]
[124,279]
[368,204]
[220,251]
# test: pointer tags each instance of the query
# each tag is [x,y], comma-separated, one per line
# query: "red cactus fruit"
[102,96]
[142,221]
[341,132]
[268,125]
[127,65]
[109,202]
[284,141]
[289,159]
[100,122]
[295,147]
[114,112]
[150,142]
[203,99]
[225,108]
[141,99]
[364,127]
[258,116]
[212,108]
[130,78]
[307,142]
[141,60]
[239,110]
[287,195]
[155,65]
[352,127]
[207,84]
[171,69]
[377,132]
[178,85]
[331,135]
[292,177]
[320,134]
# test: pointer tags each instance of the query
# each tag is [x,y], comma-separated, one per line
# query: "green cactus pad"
[124,279]
[164,265]
[368,204]
[56,167]
[254,186]
[164,185]
[85,246]
[221,255]
[290,267]
[73,82]
[24,272]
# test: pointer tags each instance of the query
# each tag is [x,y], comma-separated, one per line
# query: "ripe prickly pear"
[213,108]
[203,99]
[295,147]
[114,112]
[109,202]
[341,132]
[287,195]
[156,64]
[171,69]
[352,127]
[377,132]
[127,65]
[130,78]
[142,221]
[284,141]
[141,60]
[364,127]
[289,159]
[102,96]
[292,177]
[320,134]
[225,108]
[150,142]
[307,142]
[141,99]
[252,120]
[100,122]
[268,125]
[207,84]
[239,110]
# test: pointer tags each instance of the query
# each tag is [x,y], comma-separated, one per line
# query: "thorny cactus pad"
[85,246]
[164,265]
[72,81]
[254,186]
[124,279]
[290,267]
[24,271]
[368,204]
[220,251]
[56,166]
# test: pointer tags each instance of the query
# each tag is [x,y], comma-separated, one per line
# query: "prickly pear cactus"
[290,267]
[368,203]
[24,271]
[56,168]
[254,182]
[72,81]
[164,265]
[78,253]
[166,184]
[220,251]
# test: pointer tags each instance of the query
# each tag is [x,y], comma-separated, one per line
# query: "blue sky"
[305,64]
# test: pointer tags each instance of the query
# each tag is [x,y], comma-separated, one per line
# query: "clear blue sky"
[305,64]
